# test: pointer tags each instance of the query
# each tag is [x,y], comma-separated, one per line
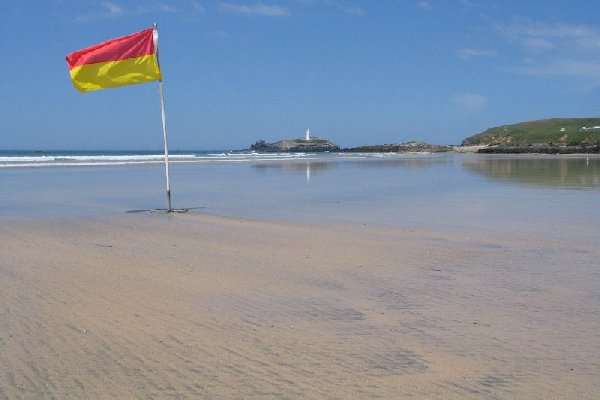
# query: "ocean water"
[529,195]
[41,159]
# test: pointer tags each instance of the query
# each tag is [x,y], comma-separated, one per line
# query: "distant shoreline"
[387,148]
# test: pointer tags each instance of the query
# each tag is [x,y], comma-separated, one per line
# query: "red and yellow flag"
[127,60]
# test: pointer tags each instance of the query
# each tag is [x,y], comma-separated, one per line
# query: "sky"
[355,72]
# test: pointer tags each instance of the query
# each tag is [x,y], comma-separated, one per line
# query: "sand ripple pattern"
[206,307]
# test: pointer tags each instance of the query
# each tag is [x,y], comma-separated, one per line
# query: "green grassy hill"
[555,131]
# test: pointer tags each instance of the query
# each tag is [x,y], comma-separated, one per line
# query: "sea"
[455,192]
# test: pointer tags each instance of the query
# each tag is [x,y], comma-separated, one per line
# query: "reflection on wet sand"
[418,162]
[538,171]
[310,167]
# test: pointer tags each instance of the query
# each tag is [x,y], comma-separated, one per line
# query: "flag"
[127,60]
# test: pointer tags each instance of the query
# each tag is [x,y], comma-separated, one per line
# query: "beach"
[148,305]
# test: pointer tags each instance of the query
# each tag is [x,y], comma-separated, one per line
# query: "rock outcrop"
[408,147]
[314,145]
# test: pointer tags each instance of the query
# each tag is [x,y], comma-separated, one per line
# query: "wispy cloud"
[254,9]
[113,9]
[198,7]
[467,53]
[345,6]
[351,9]
[582,69]
[470,102]
[107,9]
[110,9]
[551,51]
[218,34]
[480,4]
[543,36]
[538,44]
[155,8]
[424,5]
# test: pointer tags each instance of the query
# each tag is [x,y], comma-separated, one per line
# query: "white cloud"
[108,10]
[344,6]
[541,29]
[538,44]
[562,51]
[113,9]
[470,102]
[480,5]
[254,9]
[218,34]
[467,53]
[424,5]
[538,36]
[582,69]
[155,8]
[198,7]
[352,10]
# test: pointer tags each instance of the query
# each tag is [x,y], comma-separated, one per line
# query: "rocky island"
[314,145]
[310,144]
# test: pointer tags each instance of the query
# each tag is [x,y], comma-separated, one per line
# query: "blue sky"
[355,72]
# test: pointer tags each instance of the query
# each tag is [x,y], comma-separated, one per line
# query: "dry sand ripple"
[198,306]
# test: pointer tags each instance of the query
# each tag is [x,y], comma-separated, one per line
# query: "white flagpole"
[164,125]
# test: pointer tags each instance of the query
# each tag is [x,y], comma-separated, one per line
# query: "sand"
[192,306]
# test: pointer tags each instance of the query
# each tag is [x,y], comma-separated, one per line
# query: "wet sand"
[196,306]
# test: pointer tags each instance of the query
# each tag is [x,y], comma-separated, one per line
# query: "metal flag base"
[171,211]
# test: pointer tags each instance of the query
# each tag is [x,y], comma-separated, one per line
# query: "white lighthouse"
[308,134]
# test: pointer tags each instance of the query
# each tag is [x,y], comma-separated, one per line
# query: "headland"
[548,136]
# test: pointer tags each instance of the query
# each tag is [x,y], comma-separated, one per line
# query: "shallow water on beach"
[547,195]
